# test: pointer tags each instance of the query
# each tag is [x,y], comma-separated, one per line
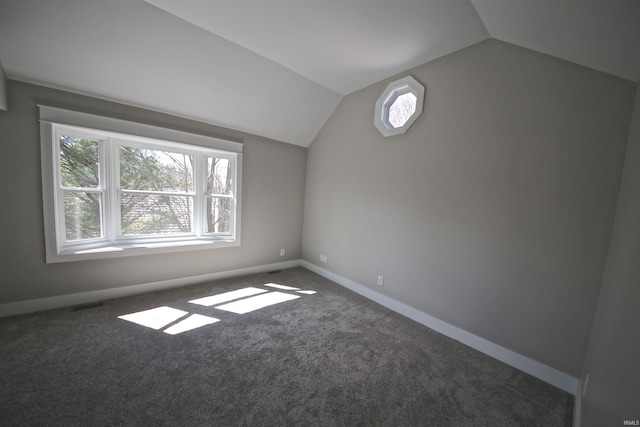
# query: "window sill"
[117,251]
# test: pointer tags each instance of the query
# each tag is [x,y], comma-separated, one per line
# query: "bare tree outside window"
[157,192]
[399,106]
[80,181]
[402,109]
[218,184]
[111,194]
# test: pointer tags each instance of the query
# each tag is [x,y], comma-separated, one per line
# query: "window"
[110,193]
[402,109]
[399,106]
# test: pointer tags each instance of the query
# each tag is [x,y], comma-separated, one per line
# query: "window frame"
[113,134]
[389,96]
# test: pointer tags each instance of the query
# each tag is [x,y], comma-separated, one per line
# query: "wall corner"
[4,104]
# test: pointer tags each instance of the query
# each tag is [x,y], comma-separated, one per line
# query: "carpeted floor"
[329,358]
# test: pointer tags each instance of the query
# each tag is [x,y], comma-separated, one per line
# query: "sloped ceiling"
[278,68]
[599,34]
[342,45]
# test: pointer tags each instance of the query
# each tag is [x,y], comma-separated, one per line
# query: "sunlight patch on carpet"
[192,322]
[227,296]
[239,301]
[283,287]
[156,318]
[255,303]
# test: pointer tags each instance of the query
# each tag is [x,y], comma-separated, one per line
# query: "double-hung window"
[110,193]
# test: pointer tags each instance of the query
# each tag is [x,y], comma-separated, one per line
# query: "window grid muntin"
[118,143]
[111,192]
[61,228]
[394,90]
[389,101]
[390,120]
[233,212]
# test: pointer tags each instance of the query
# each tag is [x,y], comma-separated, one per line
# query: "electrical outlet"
[323,258]
[380,280]
[282,252]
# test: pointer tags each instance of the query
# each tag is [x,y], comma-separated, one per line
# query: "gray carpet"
[331,358]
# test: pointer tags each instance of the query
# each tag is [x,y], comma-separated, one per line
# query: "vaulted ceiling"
[278,68]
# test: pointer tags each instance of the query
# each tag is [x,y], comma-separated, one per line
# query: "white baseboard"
[545,373]
[577,405]
[30,306]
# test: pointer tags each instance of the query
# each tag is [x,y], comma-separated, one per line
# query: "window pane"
[144,214]
[82,215]
[218,176]
[402,109]
[155,170]
[78,162]
[218,215]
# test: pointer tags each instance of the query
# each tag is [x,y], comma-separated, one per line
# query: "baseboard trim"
[30,306]
[577,404]
[545,373]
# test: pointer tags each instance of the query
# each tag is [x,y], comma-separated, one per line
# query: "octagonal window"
[402,109]
[399,106]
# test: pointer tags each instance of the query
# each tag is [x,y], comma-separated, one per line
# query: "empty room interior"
[264,212]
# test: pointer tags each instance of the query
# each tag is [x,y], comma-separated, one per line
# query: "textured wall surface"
[613,390]
[272,205]
[494,211]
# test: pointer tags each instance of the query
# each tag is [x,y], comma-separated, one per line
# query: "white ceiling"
[278,68]
[344,45]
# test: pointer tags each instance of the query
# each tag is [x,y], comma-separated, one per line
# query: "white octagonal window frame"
[393,91]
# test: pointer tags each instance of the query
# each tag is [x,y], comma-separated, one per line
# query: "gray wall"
[494,211]
[613,390]
[272,206]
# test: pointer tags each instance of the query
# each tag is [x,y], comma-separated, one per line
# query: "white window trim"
[57,252]
[395,89]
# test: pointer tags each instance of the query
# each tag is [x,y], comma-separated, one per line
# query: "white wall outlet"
[380,280]
[282,252]
[323,258]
